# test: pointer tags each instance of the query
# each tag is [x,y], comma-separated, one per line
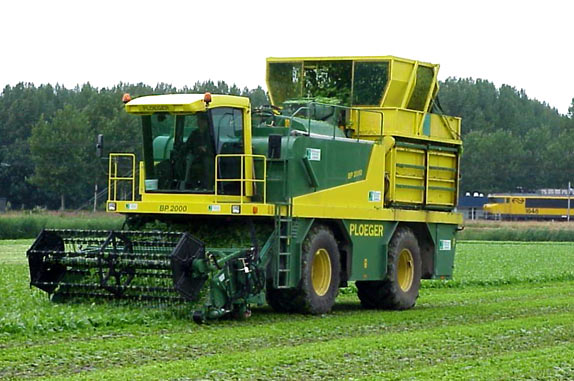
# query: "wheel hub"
[321,272]
[406,270]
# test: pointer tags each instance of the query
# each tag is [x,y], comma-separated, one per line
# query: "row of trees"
[510,141]
[48,135]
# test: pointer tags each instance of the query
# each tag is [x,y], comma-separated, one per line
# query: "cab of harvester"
[196,151]
[181,143]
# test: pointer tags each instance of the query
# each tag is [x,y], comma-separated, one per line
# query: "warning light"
[255,210]
[126,98]
[207,98]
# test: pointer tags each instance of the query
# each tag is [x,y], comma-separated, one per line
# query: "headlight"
[112,206]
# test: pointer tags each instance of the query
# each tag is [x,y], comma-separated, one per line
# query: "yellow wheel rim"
[406,270]
[321,272]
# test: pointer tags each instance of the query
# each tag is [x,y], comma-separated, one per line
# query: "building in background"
[470,205]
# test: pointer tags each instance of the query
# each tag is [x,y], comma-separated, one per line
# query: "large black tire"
[400,288]
[320,272]
[320,275]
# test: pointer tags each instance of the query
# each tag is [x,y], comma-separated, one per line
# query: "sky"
[524,44]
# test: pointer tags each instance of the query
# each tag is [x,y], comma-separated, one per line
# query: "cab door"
[229,133]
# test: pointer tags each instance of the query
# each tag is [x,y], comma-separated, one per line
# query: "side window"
[190,125]
[228,132]
[228,129]
[162,135]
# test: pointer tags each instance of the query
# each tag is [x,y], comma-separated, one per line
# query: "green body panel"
[444,238]
[260,134]
[312,164]
[299,231]
[367,252]
[369,241]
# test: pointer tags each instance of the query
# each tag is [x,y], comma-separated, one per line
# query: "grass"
[507,314]
[28,225]
[531,231]
[488,263]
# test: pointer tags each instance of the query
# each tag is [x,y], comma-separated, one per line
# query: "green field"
[24,224]
[488,230]
[508,314]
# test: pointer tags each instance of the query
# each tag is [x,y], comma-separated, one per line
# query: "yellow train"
[528,206]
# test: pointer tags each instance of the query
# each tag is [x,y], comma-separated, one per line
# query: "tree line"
[48,135]
[511,143]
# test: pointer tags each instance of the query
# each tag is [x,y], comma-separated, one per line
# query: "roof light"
[126,98]
[207,98]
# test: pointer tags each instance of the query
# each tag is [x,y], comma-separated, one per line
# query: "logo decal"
[374,196]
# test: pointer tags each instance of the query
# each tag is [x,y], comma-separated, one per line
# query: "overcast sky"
[526,44]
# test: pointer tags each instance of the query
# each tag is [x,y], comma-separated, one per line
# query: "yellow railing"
[127,175]
[246,182]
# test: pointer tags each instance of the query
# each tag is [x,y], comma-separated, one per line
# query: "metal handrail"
[242,180]
[114,179]
[359,109]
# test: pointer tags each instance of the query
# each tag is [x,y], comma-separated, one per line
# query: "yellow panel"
[350,196]
[442,178]
[367,123]
[409,179]
[407,123]
[398,83]
[417,176]
[445,127]
[410,86]
[182,103]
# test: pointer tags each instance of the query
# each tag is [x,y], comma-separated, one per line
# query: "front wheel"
[320,272]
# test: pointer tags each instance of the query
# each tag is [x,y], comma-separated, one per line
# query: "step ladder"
[284,229]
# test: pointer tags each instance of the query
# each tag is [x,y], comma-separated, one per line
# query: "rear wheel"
[400,288]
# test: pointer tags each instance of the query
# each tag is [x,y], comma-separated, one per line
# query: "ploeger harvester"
[347,176]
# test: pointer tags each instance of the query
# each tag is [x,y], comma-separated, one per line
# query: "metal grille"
[122,265]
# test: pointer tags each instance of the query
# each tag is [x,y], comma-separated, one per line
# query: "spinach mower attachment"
[165,267]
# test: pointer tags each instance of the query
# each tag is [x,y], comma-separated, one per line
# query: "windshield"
[179,150]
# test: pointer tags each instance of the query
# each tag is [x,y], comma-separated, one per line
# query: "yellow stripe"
[183,208]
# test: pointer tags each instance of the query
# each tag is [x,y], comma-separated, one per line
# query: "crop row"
[508,313]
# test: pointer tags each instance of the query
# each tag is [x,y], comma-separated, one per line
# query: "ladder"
[284,232]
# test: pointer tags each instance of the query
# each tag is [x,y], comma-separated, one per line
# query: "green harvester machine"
[351,175]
